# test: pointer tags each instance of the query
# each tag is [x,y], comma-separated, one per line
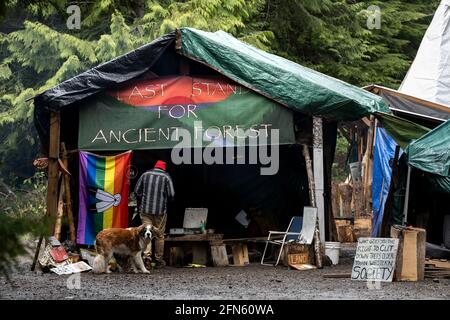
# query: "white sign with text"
[375,259]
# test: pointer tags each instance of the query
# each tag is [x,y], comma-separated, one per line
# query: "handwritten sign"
[375,259]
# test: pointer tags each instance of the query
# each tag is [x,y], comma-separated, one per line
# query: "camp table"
[199,243]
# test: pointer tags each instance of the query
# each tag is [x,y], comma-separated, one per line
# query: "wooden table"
[200,244]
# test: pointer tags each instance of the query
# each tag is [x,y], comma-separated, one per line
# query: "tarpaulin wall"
[382,174]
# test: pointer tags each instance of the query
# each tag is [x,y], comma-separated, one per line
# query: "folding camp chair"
[300,230]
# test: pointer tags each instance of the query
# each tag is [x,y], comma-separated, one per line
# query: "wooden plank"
[358,198]
[240,254]
[309,171]
[302,266]
[219,256]
[411,253]
[252,239]
[444,264]
[345,192]
[53,156]
[319,174]
[196,237]
[312,198]
[60,213]
[36,254]
[345,232]
[366,121]
[362,227]
[335,199]
[429,104]
[68,199]
[368,166]
[338,275]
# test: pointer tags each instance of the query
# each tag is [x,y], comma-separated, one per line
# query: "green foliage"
[37,51]
[22,212]
[340,169]
[332,37]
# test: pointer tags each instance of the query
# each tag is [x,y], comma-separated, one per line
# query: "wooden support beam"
[405,207]
[53,168]
[312,200]
[319,174]
[219,255]
[68,196]
[240,254]
[60,212]
[309,171]
[368,166]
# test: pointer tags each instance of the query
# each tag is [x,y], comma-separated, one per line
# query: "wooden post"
[358,198]
[309,171]
[368,166]
[53,156]
[405,207]
[36,254]
[240,254]
[318,174]
[312,199]
[219,255]
[68,199]
[60,213]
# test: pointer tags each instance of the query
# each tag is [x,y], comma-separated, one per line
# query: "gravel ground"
[249,282]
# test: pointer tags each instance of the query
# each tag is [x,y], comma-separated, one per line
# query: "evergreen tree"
[37,51]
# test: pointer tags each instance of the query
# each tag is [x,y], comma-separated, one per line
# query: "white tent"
[429,75]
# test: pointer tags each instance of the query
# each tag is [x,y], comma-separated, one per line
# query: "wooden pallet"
[437,268]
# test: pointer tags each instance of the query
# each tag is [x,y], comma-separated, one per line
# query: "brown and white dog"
[125,242]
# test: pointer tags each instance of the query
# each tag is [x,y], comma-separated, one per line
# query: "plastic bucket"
[332,251]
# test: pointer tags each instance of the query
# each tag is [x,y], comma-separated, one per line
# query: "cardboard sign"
[59,254]
[193,217]
[72,268]
[375,259]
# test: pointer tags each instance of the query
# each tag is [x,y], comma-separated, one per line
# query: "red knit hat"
[160,165]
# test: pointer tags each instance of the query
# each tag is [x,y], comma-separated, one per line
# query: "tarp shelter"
[412,119]
[429,76]
[431,153]
[412,107]
[384,151]
[287,93]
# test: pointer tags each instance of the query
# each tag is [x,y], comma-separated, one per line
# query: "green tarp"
[288,83]
[431,152]
[152,114]
[401,130]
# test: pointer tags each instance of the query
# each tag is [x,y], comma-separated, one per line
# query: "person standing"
[154,188]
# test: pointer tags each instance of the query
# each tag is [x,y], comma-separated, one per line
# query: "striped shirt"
[154,188]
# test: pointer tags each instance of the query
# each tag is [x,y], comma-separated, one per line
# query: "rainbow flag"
[103,194]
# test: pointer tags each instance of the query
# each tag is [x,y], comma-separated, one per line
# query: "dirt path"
[250,282]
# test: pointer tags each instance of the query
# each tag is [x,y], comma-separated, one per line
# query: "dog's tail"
[99,265]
